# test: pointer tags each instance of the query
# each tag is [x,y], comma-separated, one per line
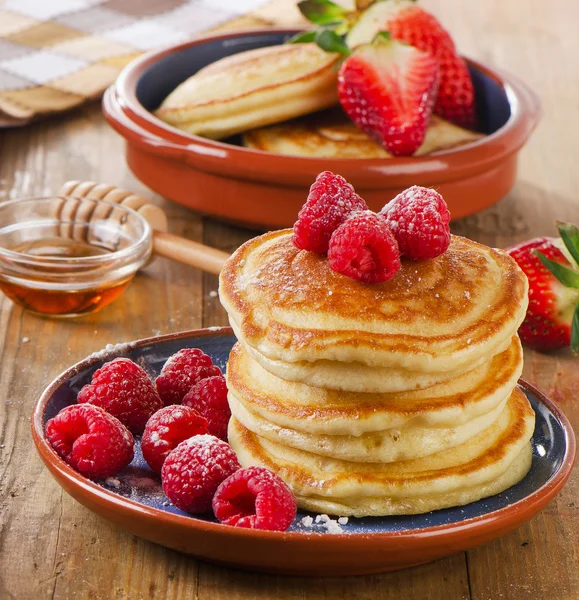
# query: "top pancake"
[331,134]
[435,316]
[251,89]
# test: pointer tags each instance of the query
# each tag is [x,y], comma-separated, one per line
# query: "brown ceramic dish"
[367,545]
[267,190]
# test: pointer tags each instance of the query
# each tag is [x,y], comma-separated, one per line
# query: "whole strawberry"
[552,319]
[388,89]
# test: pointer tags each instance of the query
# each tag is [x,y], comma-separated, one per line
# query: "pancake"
[434,320]
[329,412]
[486,464]
[331,134]
[370,427]
[251,89]
[385,446]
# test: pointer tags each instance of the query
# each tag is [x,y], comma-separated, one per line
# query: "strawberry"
[413,25]
[388,89]
[552,319]
[409,23]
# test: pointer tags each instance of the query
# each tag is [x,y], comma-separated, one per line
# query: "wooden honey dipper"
[165,244]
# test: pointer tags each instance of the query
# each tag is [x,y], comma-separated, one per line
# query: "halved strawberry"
[412,24]
[552,319]
[388,89]
[409,23]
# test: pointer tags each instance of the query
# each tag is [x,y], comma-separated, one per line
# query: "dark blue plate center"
[140,484]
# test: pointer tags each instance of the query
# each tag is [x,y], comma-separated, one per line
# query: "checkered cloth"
[56,54]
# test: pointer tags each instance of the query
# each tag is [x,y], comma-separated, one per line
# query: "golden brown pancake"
[486,464]
[252,89]
[432,321]
[371,427]
[331,134]
[331,412]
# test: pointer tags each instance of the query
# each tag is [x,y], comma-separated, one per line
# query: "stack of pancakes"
[395,398]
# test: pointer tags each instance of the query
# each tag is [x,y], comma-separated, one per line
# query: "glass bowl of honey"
[67,257]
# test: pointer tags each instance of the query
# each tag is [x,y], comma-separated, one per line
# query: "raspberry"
[364,249]
[124,390]
[193,471]
[255,498]
[419,220]
[209,397]
[166,429]
[330,202]
[91,440]
[182,371]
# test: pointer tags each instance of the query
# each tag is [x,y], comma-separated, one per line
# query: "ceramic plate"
[134,499]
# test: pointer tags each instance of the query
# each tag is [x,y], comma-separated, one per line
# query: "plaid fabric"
[57,54]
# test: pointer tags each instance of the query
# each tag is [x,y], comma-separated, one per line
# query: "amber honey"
[33,294]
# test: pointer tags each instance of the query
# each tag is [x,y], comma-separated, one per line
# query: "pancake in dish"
[331,134]
[371,427]
[436,319]
[486,464]
[252,89]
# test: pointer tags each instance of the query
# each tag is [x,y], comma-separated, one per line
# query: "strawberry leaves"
[323,12]
[575,331]
[566,276]
[305,37]
[570,236]
[326,39]
[330,41]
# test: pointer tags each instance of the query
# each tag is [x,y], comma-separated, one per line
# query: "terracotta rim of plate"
[126,114]
[516,512]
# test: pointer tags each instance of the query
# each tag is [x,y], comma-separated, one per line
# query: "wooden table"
[52,547]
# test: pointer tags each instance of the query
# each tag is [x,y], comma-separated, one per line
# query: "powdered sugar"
[323,523]
[111,350]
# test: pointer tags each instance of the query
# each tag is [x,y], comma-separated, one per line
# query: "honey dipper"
[165,244]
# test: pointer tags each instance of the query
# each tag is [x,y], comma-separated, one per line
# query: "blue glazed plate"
[136,491]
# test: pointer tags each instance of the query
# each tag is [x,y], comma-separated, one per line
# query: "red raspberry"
[364,249]
[166,429]
[91,440]
[255,498]
[330,202]
[123,389]
[182,371]
[193,471]
[419,220]
[209,397]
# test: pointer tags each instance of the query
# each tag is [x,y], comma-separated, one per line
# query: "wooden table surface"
[52,547]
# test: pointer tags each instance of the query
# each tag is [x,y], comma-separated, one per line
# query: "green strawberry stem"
[323,12]
[305,37]
[330,41]
[575,331]
[563,274]
[570,236]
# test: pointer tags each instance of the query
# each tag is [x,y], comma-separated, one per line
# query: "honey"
[34,293]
